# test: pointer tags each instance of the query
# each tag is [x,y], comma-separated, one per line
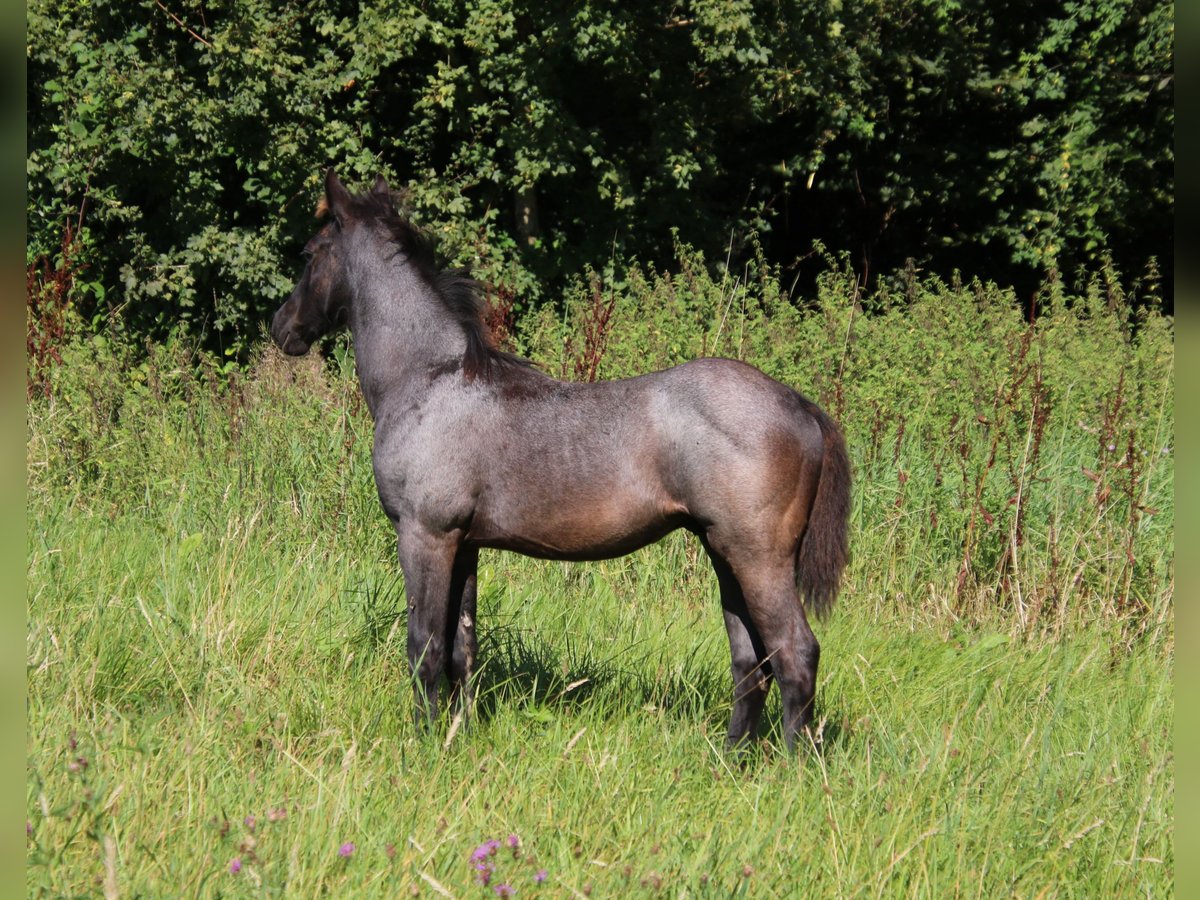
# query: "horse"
[475,447]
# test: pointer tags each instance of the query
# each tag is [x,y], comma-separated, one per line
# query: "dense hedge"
[175,145]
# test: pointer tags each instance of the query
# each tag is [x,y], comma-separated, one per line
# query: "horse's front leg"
[427,559]
[460,629]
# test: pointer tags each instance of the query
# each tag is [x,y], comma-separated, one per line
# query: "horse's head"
[320,302]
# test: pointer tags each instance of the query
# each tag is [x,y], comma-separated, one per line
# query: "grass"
[204,688]
[216,672]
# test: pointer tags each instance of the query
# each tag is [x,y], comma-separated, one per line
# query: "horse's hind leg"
[778,615]
[751,670]
[751,677]
[428,562]
[460,629]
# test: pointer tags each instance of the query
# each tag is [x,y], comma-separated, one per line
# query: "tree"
[185,141]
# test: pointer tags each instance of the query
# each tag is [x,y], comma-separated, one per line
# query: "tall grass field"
[218,695]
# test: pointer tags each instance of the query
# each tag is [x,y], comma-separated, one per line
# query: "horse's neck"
[402,332]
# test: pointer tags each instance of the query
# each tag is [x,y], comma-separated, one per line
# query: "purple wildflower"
[484,850]
[504,890]
[483,873]
[540,875]
[235,865]
[513,841]
[347,849]
[250,822]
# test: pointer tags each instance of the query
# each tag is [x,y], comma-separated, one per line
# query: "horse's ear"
[381,187]
[337,198]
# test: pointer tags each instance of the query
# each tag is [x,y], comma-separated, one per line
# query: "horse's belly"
[600,528]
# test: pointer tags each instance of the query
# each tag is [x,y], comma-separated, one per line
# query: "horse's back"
[738,401]
[709,405]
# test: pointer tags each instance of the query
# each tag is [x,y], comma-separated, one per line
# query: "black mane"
[459,292]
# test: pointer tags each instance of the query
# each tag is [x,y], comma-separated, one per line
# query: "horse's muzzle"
[285,333]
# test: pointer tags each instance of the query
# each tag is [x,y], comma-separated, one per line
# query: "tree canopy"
[179,144]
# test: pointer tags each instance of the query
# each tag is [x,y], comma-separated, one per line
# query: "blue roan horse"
[475,448]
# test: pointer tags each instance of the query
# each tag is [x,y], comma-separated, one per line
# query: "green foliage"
[184,141]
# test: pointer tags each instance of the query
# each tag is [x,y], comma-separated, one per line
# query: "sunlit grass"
[167,706]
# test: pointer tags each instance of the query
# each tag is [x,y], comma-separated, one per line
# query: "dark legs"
[460,629]
[793,651]
[750,668]
[769,637]
[439,581]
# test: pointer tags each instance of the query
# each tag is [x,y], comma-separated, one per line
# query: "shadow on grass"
[827,736]
[520,670]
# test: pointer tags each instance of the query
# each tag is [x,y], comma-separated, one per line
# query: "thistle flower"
[347,849]
[235,865]
[484,850]
[540,875]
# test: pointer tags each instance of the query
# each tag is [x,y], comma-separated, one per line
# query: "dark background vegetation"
[175,146]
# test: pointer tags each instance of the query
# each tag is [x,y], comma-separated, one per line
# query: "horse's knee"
[810,656]
[750,676]
[797,665]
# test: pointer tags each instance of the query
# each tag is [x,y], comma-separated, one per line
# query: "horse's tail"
[824,549]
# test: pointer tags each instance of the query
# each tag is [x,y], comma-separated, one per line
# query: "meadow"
[218,702]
